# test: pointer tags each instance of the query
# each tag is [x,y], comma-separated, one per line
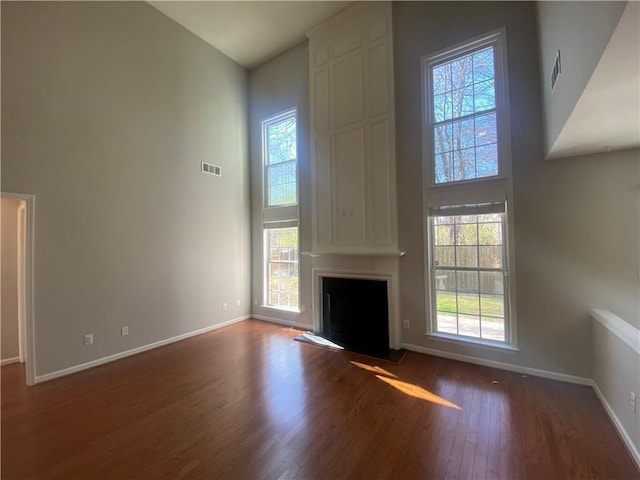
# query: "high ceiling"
[248,32]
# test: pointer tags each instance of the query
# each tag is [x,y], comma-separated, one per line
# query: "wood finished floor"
[247,401]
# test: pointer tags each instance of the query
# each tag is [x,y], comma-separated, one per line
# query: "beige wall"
[9,295]
[275,86]
[616,372]
[576,221]
[107,111]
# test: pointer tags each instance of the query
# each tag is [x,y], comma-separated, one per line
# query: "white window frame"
[289,113]
[494,189]
[496,39]
[279,216]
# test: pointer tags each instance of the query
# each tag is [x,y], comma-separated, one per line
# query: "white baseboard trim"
[134,351]
[501,365]
[287,323]
[9,361]
[618,425]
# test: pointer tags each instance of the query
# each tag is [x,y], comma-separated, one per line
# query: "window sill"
[281,309]
[473,342]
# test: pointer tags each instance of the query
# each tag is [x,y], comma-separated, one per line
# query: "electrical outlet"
[124,331]
[255,301]
[406,324]
[224,306]
[88,339]
[238,303]
[633,402]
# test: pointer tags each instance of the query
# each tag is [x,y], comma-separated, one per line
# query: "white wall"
[581,31]
[107,111]
[9,295]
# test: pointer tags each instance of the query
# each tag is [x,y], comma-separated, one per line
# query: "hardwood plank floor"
[247,401]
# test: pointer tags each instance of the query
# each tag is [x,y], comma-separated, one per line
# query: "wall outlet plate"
[88,339]
[124,331]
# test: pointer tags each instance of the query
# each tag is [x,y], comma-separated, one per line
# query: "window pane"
[493,329]
[444,235]
[467,256]
[441,79]
[469,325]
[443,138]
[467,282]
[487,160]
[490,233]
[444,168]
[446,301]
[446,322]
[462,102]
[465,87]
[445,256]
[446,280]
[282,267]
[469,295]
[463,134]
[442,107]
[464,164]
[280,161]
[281,141]
[490,256]
[492,305]
[462,72]
[468,303]
[486,129]
[467,234]
[491,282]
[483,65]
[484,96]
[281,184]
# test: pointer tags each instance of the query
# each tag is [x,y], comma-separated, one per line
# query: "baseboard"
[9,361]
[628,442]
[501,365]
[287,323]
[134,351]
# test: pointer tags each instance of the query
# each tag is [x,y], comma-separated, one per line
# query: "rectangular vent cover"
[556,71]
[211,169]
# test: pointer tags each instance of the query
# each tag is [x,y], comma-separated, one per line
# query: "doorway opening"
[17,252]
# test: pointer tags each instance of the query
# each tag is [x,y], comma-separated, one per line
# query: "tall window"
[280,211]
[280,160]
[469,271]
[467,191]
[462,114]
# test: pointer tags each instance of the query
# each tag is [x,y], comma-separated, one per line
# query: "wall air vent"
[555,71]
[211,169]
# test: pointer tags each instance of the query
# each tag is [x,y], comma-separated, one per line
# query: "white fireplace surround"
[391,279]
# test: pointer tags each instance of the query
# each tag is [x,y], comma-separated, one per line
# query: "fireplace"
[355,313]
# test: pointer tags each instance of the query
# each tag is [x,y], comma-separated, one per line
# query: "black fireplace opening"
[355,314]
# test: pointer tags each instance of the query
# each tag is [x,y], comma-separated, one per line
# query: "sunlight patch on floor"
[418,392]
[373,369]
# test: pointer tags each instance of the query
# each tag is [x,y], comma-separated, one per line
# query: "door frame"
[26,320]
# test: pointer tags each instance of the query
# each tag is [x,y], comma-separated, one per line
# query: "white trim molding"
[626,439]
[621,329]
[134,351]
[29,311]
[286,323]
[9,361]
[501,365]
